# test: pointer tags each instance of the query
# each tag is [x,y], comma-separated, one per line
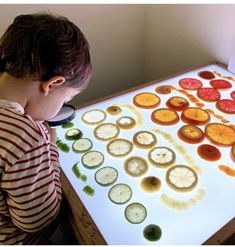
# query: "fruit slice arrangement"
[177,103]
[135,213]
[208,94]
[93,117]
[181,178]
[92,159]
[151,184]
[82,145]
[106,131]
[119,147]
[126,122]
[190,83]
[220,84]
[195,116]
[146,100]
[144,139]
[136,166]
[207,75]
[73,134]
[226,106]
[220,134]
[120,193]
[152,232]
[209,152]
[191,134]
[163,89]
[114,110]
[164,116]
[106,176]
[161,157]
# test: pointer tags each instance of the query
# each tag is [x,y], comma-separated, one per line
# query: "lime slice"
[119,147]
[144,139]
[136,166]
[82,145]
[120,193]
[106,176]
[93,116]
[135,213]
[73,134]
[92,159]
[106,131]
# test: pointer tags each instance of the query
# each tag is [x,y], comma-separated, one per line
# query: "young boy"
[44,62]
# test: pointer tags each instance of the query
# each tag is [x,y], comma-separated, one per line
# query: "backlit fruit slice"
[88,190]
[207,75]
[126,122]
[161,157]
[232,153]
[144,139]
[151,184]
[73,134]
[114,110]
[119,147]
[164,116]
[82,145]
[106,131]
[136,166]
[220,84]
[226,106]
[220,134]
[232,95]
[191,134]
[152,232]
[146,100]
[67,125]
[106,176]
[164,89]
[135,213]
[208,152]
[190,83]
[92,159]
[120,193]
[177,103]
[195,116]
[93,116]
[208,94]
[181,178]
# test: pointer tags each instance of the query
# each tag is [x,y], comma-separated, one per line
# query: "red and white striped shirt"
[30,189]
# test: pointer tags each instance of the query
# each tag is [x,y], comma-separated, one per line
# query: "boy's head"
[48,49]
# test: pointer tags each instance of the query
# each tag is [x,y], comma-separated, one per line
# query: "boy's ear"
[51,84]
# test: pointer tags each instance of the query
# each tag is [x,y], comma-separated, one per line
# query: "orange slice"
[232,153]
[146,100]
[195,116]
[177,103]
[165,116]
[191,134]
[220,134]
[163,89]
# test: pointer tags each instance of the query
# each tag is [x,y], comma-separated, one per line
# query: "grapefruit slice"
[209,152]
[226,106]
[207,75]
[220,84]
[190,83]
[195,116]
[177,103]
[164,89]
[146,100]
[164,116]
[191,134]
[233,95]
[208,94]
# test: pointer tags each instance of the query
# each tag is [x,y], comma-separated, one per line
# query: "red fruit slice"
[190,83]
[209,152]
[208,94]
[226,106]
[232,95]
[207,75]
[220,84]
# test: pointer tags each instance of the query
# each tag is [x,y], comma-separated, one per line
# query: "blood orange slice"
[220,84]
[232,95]
[195,116]
[207,75]
[208,94]
[209,152]
[177,103]
[190,83]
[146,100]
[226,106]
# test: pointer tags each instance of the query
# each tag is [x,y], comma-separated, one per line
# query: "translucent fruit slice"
[220,134]
[146,100]
[119,147]
[208,94]
[144,139]
[120,193]
[220,84]
[161,157]
[207,75]
[190,83]
[195,116]
[82,145]
[164,116]
[152,232]
[151,184]
[106,176]
[181,178]
[136,166]
[232,153]
[92,159]
[106,131]
[93,116]
[232,95]
[209,152]
[226,106]
[114,110]
[73,134]
[126,122]
[191,134]
[135,213]
[177,103]
[164,89]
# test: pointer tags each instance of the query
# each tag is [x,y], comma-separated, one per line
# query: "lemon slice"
[135,213]
[119,147]
[181,178]
[144,139]
[106,131]
[93,116]
[120,193]
[126,122]
[136,166]
[161,156]
[106,176]
[114,110]
[92,159]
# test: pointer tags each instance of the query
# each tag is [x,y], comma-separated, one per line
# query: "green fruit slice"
[82,145]
[152,232]
[120,193]
[67,125]
[88,190]
[92,159]
[135,213]
[106,176]
[73,134]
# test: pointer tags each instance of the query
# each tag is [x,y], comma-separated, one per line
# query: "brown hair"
[44,45]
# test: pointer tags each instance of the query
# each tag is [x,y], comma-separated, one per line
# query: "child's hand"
[52,132]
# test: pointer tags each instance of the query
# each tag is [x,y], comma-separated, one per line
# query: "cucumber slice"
[106,176]
[120,193]
[82,145]
[92,159]
[135,213]
[73,134]
[88,190]
[67,125]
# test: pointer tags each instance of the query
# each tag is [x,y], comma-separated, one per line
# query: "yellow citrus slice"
[165,116]
[93,117]
[106,131]
[146,100]
[119,147]
[126,122]
[144,139]
[114,110]
[136,166]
